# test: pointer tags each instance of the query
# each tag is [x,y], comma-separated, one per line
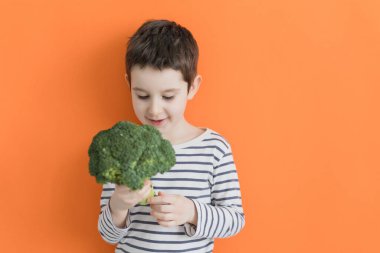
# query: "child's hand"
[172,210]
[124,198]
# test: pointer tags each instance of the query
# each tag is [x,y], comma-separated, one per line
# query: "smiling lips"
[157,122]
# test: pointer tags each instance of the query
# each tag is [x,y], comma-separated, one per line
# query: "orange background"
[293,85]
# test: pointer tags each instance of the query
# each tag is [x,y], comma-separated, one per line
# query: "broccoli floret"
[128,154]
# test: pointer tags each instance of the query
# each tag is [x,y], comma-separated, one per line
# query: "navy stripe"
[215,215]
[107,228]
[168,251]
[195,155]
[217,222]
[203,218]
[216,139]
[238,223]
[198,197]
[110,234]
[227,181]
[223,164]
[156,232]
[138,205]
[232,219]
[205,206]
[191,171]
[201,163]
[227,198]
[224,221]
[145,222]
[107,221]
[224,173]
[139,213]
[225,210]
[181,188]
[179,179]
[164,242]
[212,221]
[242,220]
[226,190]
[200,219]
[203,147]
[216,134]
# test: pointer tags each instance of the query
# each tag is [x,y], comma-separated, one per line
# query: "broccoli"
[128,154]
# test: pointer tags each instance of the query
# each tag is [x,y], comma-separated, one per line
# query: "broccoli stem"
[151,194]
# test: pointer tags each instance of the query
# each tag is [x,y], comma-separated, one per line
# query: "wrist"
[193,218]
[115,206]
[118,212]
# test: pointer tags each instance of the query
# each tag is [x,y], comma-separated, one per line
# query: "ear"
[194,87]
[126,79]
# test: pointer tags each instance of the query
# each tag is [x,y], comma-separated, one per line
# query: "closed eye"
[168,98]
[164,97]
[143,97]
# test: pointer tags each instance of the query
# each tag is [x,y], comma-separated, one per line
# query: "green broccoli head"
[127,154]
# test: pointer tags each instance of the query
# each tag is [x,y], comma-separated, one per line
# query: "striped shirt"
[205,173]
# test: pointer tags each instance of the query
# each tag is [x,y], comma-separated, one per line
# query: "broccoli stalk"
[151,194]
[128,154]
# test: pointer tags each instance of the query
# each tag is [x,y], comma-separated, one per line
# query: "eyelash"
[146,97]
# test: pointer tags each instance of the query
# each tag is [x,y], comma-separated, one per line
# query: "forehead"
[150,79]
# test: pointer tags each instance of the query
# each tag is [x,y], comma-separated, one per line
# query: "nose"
[154,108]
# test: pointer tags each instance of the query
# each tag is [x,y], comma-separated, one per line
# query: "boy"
[199,198]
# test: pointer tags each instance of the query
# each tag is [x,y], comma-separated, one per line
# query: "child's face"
[159,98]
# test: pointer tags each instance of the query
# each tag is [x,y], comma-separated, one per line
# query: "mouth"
[157,122]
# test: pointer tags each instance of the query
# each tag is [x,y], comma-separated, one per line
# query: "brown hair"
[163,44]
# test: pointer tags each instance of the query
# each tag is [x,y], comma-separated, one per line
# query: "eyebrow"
[168,90]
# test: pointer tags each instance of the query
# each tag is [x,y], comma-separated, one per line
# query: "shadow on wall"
[104,87]
[76,195]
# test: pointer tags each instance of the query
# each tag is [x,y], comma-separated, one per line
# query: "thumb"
[161,193]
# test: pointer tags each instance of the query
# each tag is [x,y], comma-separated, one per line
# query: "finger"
[157,200]
[163,199]
[166,208]
[162,216]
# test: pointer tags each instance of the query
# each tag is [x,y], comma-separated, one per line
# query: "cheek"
[137,106]
[178,107]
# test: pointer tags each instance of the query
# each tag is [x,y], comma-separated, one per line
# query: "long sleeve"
[224,217]
[205,173]
[108,231]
